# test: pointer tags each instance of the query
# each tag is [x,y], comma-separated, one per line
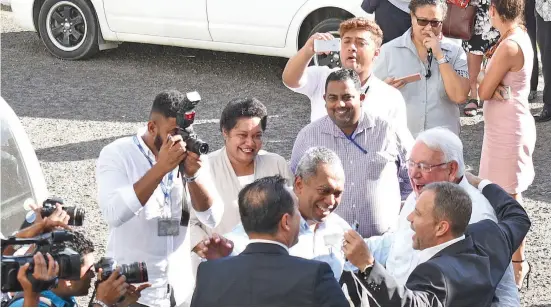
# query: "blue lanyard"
[355,143]
[164,187]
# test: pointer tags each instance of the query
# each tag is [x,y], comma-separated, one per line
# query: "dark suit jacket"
[465,273]
[266,275]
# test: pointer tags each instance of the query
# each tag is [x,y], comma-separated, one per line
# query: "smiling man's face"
[358,50]
[320,194]
[440,171]
[343,103]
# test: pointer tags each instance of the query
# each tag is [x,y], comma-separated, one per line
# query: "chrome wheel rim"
[66,26]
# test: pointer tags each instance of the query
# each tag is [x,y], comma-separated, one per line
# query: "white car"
[21,179]
[77,29]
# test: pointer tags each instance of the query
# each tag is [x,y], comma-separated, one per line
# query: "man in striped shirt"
[372,151]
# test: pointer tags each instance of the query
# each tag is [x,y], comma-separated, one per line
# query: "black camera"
[134,272]
[185,119]
[68,260]
[76,214]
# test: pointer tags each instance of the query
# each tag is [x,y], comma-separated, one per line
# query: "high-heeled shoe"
[526,276]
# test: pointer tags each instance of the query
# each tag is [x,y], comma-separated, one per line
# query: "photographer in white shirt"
[146,202]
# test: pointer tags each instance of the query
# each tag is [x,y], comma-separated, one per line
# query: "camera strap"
[21,296]
[165,187]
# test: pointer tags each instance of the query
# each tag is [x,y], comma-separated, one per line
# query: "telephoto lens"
[135,272]
[76,214]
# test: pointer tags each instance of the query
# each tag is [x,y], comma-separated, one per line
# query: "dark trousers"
[393,21]
[530,18]
[346,278]
[544,41]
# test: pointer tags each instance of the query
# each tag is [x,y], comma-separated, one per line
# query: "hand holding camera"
[133,294]
[43,272]
[109,291]
[172,153]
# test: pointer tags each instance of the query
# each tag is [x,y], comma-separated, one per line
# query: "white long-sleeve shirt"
[133,228]
[395,249]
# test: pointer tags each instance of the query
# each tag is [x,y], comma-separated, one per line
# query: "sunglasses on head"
[424,22]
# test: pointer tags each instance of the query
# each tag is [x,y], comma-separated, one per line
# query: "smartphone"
[333,45]
[507,93]
[410,78]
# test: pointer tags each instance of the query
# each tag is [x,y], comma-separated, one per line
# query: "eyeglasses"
[424,22]
[422,166]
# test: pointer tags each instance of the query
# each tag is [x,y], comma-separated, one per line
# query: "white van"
[21,179]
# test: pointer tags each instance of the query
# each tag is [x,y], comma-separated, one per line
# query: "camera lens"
[135,272]
[197,146]
[69,265]
[204,148]
[76,215]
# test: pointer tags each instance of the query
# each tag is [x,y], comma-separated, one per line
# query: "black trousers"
[393,21]
[530,18]
[544,41]
[346,278]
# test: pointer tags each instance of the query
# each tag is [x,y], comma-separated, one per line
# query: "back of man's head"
[452,204]
[445,141]
[263,203]
[168,103]
[79,243]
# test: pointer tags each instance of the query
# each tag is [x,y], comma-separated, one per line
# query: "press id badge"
[168,227]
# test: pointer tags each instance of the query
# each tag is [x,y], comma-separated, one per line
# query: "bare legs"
[520,265]
[474,63]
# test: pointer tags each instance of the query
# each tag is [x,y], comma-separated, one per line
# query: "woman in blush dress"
[509,129]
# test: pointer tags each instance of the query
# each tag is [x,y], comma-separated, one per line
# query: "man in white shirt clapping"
[146,202]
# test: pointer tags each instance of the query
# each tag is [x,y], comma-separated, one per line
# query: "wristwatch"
[192,178]
[363,273]
[444,59]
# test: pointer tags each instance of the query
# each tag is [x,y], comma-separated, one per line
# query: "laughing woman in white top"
[238,163]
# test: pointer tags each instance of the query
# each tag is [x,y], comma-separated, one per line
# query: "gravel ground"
[72,109]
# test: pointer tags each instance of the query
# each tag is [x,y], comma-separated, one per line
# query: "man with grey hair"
[460,263]
[437,156]
[318,185]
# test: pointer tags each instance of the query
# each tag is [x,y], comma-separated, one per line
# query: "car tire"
[330,25]
[69,29]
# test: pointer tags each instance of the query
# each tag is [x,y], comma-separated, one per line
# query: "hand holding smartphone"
[333,45]
[409,78]
[506,93]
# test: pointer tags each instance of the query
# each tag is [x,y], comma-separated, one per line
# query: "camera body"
[185,119]
[68,260]
[76,214]
[134,272]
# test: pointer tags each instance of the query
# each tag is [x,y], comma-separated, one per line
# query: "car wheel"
[68,28]
[330,25]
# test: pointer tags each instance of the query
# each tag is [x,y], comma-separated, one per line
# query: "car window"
[15,185]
